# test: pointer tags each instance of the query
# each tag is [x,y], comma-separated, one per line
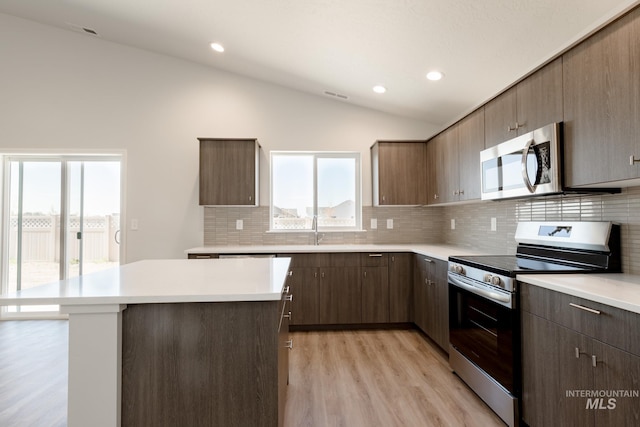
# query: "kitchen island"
[174,342]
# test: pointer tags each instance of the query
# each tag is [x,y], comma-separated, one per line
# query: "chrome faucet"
[314,226]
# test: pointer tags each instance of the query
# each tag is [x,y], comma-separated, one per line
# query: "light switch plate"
[390,224]
[374,223]
[239,224]
[453,223]
[494,224]
[134,224]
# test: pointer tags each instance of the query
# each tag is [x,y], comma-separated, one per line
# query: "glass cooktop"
[510,265]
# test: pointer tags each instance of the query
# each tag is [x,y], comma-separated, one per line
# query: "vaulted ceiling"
[346,47]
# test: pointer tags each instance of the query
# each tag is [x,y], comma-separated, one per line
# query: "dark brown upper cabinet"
[602,105]
[399,173]
[534,102]
[229,172]
[454,161]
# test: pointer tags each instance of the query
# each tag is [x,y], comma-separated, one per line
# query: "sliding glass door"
[62,219]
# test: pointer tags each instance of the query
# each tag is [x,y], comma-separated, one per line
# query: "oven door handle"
[494,296]
[525,172]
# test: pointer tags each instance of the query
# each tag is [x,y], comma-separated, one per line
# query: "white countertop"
[617,289]
[163,281]
[441,252]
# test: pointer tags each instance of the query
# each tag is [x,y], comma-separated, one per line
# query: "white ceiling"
[348,46]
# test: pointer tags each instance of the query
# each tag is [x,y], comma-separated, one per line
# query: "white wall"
[64,90]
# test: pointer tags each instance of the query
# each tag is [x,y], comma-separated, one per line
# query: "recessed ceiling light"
[217,47]
[379,89]
[435,75]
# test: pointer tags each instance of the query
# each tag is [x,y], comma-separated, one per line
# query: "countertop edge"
[439,251]
[594,287]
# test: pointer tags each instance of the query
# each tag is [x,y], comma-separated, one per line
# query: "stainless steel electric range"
[484,316]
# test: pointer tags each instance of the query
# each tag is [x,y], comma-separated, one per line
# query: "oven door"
[487,334]
[524,166]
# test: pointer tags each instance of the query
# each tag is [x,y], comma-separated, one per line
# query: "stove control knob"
[457,269]
[487,278]
[495,280]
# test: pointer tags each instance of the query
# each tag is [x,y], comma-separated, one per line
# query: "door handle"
[525,174]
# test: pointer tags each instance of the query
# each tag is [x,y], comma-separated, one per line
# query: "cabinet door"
[601,115]
[441,302]
[470,144]
[375,294]
[550,369]
[304,286]
[442,154]
[340,295]
[500,118]
[399,173]
[616,370]
[228,170]
[401,288]
[425,295]
[539,98]
[420,289]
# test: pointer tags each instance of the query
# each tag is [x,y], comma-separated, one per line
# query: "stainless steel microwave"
[528,165]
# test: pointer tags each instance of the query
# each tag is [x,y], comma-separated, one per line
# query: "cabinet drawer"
[611,325]
[308,260]
[374,259]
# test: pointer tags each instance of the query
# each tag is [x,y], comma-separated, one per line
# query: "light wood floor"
[341,378]
[33,373]
[377,378]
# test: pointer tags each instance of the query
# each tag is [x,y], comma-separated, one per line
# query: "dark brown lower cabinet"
[571,377]
[305,286]
[400,287]
[375,294]
[198,364]
[431,299]
[340,295]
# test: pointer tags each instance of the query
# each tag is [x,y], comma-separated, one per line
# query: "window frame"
[320,155]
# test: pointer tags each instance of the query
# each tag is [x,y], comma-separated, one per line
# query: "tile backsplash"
[473,221]
[433,224]
[410,225]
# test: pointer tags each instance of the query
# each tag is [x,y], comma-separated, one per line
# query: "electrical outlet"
[453,224]
[374,223]
[494,224]
[134,224]
[390,224]
[239,224]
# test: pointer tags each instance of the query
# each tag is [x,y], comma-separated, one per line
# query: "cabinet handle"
[582,307]
[375,255]
[393,258]
[250,198]
[594,361]
[287,316]
[383,198]
[428,260]
[461,192]
[435,197]
[288,344]
[203,256]
[365,274]
[315,274]
[288,298]
[290,273]
[632,160]
[516,127]
[286,290]
[456,192]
